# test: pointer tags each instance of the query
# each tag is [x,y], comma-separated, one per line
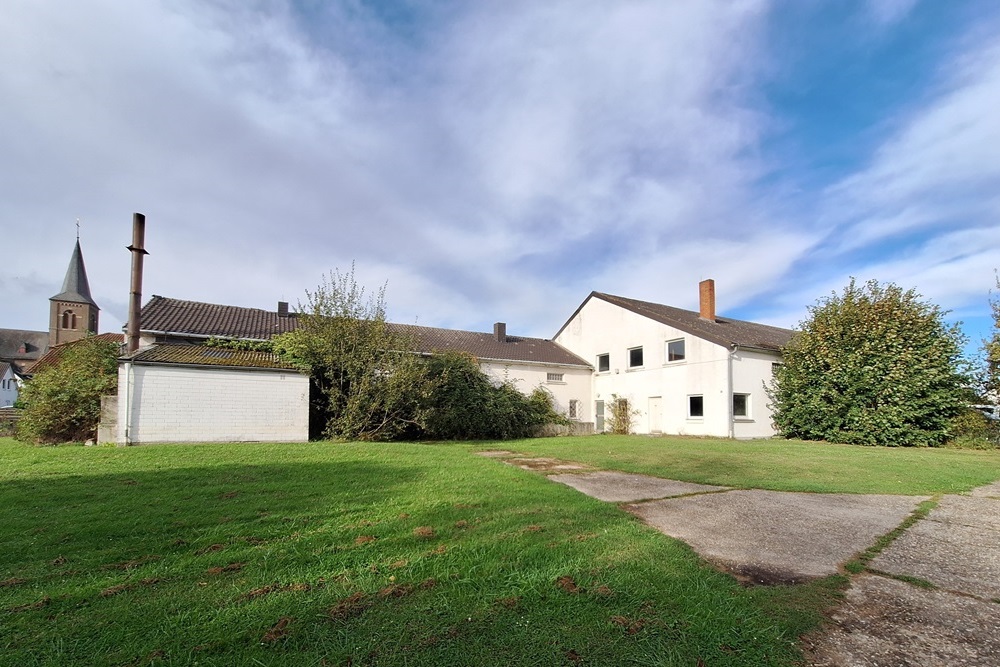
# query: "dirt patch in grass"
[750,575]
[534,528]
[114,590]
[461,523]
[277,632]
[398,564]
[351,606]
[423,532]
[395,591]
[567,584]
[211,548]
[364,539]
[150,581]
[511,602]
[228,495]
[13,581]
[428,584]
[58,560]
[630,625]
[438,550]
[231,567]
[574,657]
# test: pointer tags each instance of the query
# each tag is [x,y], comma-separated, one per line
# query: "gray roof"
[35,344]
[193,319]
[76,287]
[203,355]
[723,331]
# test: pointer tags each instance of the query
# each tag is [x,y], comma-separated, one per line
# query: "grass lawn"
[779,465]
[355,554]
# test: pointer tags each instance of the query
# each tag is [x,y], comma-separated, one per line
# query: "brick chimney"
[706,293]
[500,331]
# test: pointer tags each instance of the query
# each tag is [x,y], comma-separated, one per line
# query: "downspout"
[128,402]
[729,391]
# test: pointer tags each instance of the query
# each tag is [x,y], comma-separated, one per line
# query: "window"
[675,350]
[554,377]
[696,407]
[635,357]
[774,368]
[603,363]
[574,408]
[68,319]
[741,405]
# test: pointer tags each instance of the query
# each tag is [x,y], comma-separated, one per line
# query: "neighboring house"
[186,393]
[526,362]
[22,348]
[10,383]
[688,373]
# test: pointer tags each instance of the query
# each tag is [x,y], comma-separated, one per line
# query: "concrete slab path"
[620,487]
[776,537]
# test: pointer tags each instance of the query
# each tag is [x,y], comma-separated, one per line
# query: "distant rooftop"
[193,319]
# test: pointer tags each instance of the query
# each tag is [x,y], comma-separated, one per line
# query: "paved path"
[931,598]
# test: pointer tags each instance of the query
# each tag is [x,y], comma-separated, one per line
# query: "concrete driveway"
[931,598]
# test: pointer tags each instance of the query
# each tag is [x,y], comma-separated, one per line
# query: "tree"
[991,348]
[62,403]
[875,365]
[363,372]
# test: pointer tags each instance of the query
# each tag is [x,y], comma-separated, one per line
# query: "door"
[655,414]
[599,417]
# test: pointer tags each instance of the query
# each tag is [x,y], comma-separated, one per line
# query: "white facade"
[175,403]
[9,385]
[693,395]
[567,384]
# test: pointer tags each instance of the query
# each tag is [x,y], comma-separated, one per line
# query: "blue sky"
[498,161]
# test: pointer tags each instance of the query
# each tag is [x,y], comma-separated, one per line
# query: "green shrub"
[970,429]
[875,365]
[62,403]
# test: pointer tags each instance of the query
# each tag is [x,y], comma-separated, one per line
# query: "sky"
[498,161]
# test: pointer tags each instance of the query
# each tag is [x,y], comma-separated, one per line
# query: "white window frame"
[555,378]
[628,358]
[666,351]
[608,369]
[748,414]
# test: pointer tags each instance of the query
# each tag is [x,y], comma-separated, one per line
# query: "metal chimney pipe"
[135,292]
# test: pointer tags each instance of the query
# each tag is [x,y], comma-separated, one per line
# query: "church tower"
[73,312]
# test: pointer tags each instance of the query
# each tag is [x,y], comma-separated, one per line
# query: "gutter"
[729,390]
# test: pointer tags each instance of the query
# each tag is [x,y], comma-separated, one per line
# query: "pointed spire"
[76,287]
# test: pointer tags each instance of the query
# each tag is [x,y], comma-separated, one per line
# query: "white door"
[655,414]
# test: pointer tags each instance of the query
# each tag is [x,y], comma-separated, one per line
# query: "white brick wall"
[164,403]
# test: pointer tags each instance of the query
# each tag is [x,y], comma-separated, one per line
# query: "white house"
[684,372]
[9,384]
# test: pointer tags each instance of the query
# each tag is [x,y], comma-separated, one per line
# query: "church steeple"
[73,313]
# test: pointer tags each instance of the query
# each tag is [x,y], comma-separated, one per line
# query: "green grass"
[779,465]
[333,554]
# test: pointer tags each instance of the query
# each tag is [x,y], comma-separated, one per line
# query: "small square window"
[603,363]
[696,406]
[675,350]
[741,405]
[635,357]
[554,377]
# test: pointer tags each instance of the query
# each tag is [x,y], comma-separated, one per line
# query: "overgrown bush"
[460,402]
[970,429]
[875,365]
[621,415]
[62,403]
